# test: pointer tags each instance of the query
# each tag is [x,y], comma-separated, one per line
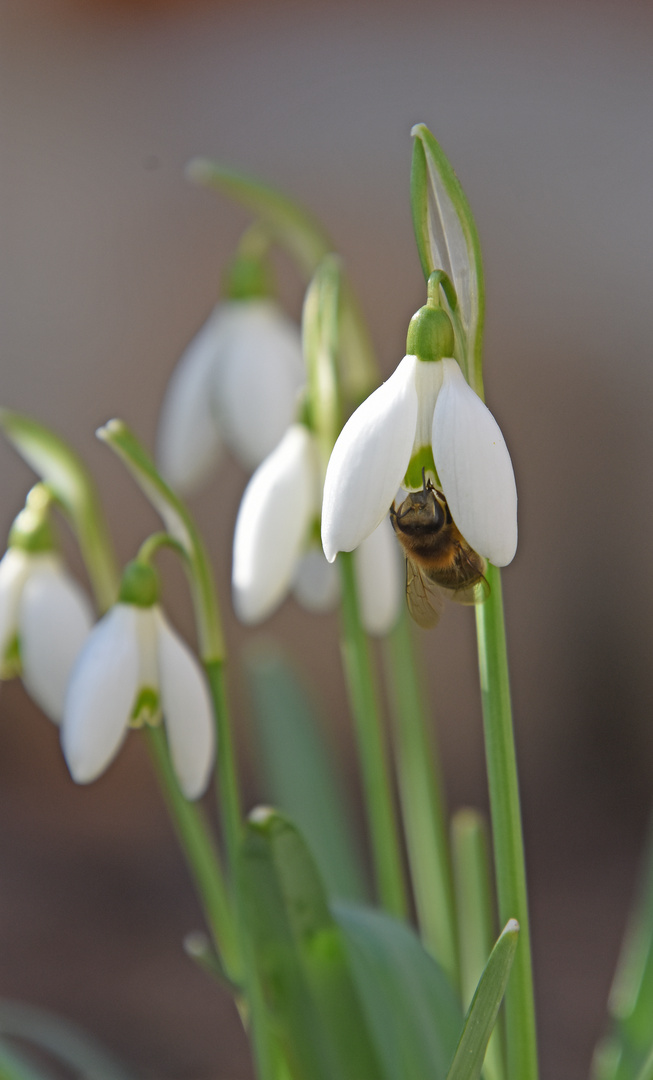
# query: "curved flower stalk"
[237,384]
[275,547]
[425,416]
[135,670]
[45,616]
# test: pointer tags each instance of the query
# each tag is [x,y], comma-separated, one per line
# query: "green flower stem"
[422,801]
[372,752]
[227,774]
[475,909]
[506,827]
[201,855]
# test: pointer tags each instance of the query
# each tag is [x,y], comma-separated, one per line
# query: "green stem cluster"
[371,747]
[420,788]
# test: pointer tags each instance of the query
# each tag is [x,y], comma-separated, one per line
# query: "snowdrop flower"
[276,550]
[238,383]
[45,617]
[425,415]
[135,669]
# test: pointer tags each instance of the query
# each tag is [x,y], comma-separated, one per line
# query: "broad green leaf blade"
[290,224]
[631,997]
[181,527]
[447,240]
[412,1011]
[482,1014]
[301,956]
[646,1072]
[63,1041]
[72,486]
[13,1066]
[471,860]
[299,773]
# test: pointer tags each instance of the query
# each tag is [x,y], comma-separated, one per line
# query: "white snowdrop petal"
[272,526]
[188,439]
[187,711]
[101,693]
[258,379]
[428,382]
[55,619]
[14,571]
[475,469]
[369,461]
[380,579]
[316,583]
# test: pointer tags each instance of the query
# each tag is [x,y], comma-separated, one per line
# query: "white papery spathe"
[47,611]
[421,404]
[273,525]
[133,655]
[238,382]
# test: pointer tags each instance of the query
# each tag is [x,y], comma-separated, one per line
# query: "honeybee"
[437,556]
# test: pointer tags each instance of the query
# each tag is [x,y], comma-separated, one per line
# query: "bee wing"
[471,594]
[424,597]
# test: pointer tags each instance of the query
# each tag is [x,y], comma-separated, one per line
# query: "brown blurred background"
[110,262]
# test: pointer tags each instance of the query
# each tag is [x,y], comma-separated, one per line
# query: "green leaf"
[300,956]
[72,486]
[482,1014]
[61,1040]
[299,773]
[447,239]
[412,1011]
[473,883]
[181,528]
[624,1054]
[290,224]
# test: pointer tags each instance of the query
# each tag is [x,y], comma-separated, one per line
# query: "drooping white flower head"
[134,669]
[273,525]
[275,550]
[238,383]
[425,407]
[45,618]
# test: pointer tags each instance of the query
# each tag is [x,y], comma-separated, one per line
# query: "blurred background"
[110,261]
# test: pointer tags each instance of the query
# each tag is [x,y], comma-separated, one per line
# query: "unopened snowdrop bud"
[135,669]
[237,382]
[273,525]
[45,617]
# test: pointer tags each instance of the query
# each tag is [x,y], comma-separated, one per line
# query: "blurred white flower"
[276,549]
[424,405]
[45,618]
[133,669]
[237,382]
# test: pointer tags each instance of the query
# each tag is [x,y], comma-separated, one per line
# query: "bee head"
[421,511]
